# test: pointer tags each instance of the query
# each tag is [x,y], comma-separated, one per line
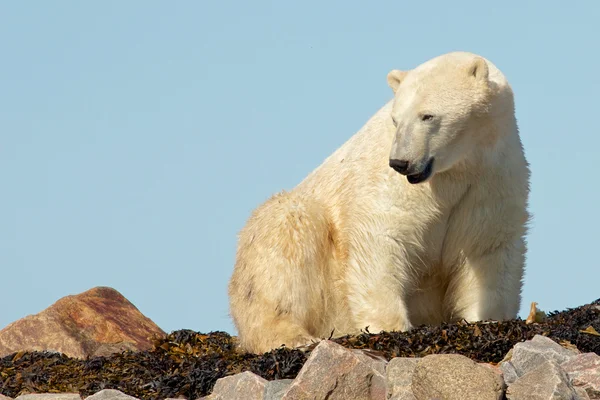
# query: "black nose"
[399,166]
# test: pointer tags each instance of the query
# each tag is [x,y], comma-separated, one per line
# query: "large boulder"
[99,321]
[453,376]
[545,382]
[334,372]
[584,372]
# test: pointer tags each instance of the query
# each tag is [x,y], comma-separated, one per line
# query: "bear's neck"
[496,138]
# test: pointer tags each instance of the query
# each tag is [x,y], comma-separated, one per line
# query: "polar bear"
[419,218]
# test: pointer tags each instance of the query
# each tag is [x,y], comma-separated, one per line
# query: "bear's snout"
[414,172]
[400,166]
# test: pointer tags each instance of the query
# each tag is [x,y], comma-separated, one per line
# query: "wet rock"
[334,372]
[452,376]
[79,325]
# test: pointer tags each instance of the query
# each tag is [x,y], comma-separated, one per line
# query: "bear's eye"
[426,117]
[394,122]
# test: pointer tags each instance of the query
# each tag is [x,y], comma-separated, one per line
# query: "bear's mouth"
[423,175]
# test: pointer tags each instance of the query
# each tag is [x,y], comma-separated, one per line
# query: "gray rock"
[334,372]
[509,372]
[546,382]
[584,372]
[244,385]
[49,396]
[399,373]
[528,355]
[274,390]
[110,394]
[453,376]
[3,397]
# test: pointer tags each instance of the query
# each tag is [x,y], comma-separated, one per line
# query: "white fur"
[355,245]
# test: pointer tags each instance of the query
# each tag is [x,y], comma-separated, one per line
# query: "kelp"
[187,363]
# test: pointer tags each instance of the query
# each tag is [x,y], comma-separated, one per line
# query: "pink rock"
[584,371]
[110,394]
[334,372]
[371,358]
[495,369]
[100,319]
[244,385]
[491,367]
[49,396]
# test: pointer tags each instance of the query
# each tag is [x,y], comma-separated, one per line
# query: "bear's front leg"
[375,298]
[488,286]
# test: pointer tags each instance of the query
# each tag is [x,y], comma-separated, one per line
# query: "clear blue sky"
[136,137]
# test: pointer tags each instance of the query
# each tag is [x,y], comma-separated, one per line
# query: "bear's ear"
[394,78]
[479,69]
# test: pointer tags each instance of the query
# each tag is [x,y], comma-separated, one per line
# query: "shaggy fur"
[357,245]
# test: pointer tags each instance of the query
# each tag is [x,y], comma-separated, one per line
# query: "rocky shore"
[108,357]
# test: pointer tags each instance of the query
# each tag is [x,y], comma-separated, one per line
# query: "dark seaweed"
[188,363]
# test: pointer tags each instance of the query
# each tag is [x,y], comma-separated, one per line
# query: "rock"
[494,368]
[453,376]
[274,390]
[373,358]
[527,356]
[399,373]
[581,393]
[110,394]
[244,385]
[3,397]
[584,372]
[509,372]
[507,356]
[403,395]
[100,319]
[545,382]
[49,396]
[106,349]
[334,372]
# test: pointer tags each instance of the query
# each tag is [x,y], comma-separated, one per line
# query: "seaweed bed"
[187,363]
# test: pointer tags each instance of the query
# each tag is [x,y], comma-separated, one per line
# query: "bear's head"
[438,112]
